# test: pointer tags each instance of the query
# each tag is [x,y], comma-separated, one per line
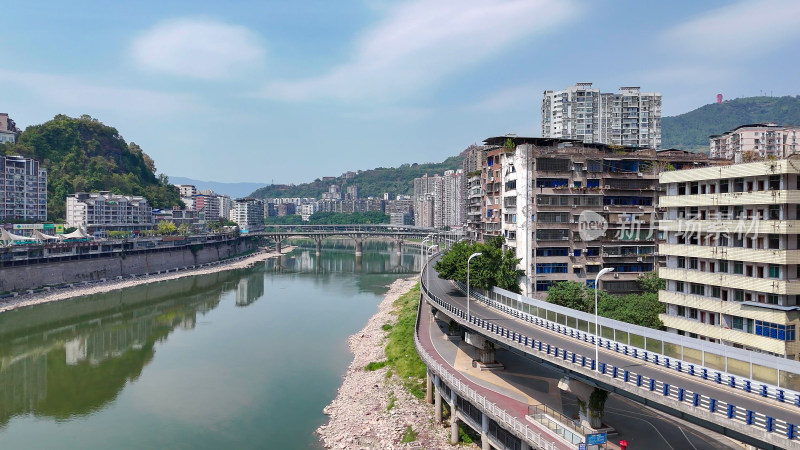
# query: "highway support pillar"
[399,246]
[428,388]
[453,423]
[278,247]
[485,433]
[438,400]
[359,244]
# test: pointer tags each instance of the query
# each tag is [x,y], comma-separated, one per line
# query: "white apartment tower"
[732,248]
[23,189]
[248,213]
[759,140]
[107,211]
[629,118]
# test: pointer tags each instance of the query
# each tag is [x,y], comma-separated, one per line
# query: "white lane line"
[687,438]
[654,427]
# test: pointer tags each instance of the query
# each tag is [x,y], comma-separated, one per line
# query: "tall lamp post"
[428,272]
[596,330]
[421,249]
[468,260]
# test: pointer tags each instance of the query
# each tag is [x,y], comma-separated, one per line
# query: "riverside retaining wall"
[22,278]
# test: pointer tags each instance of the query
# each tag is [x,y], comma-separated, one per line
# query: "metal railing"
[631,381]
[660,348]
[559,423]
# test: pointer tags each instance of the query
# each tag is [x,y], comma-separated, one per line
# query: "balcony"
[731,199]
[730,226]
[767,285]
[732,308]
[763,256]
[724,334]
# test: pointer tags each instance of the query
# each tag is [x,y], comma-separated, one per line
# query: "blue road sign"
[596,439]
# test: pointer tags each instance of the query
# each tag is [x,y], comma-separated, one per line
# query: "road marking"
[654,427]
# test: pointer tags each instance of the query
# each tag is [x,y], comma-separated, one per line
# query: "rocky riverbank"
[371,410]
[79,290]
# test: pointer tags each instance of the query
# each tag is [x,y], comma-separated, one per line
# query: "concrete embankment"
[26,277]
[80,289]
[361,416]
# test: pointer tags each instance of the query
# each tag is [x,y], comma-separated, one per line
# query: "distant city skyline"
[274,92]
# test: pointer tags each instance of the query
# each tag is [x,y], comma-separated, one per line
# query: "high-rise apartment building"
[106,211]
[428,209]
[453,198]
[248,213]
[23,189]
[759,140]
[629,118]
[733,254]
[568,209]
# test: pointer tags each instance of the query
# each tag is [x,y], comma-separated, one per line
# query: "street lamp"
[596,330]
[422,259]
[468,260]
[428,272]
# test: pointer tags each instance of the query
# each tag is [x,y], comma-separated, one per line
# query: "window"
[723,186]
[715,292]
[543,285]
[774,212]
[738,323]
[693,263]
[775,331]
[681,262]
[576,184]
[551,268]
[679,286]
[774,271]
[774,182]
[738,185]
[552,251]
[738,267]
[692,313]
[738,295]
[592,251]
[697,289]
[682,311]
[722,266]
[576,252]
[590,183]
[774,241]
[772,299]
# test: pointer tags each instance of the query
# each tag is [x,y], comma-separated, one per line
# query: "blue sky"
[289,91]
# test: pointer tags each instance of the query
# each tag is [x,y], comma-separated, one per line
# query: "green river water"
[237,359]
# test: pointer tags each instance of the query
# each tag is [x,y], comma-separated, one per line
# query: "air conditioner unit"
[640,174]
[605,208]
[640,259]
[574,206]
[607,187]
[605,255]
[616,275]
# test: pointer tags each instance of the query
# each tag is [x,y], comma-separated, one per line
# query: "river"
[237,359]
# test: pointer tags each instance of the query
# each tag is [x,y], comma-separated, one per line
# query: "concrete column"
[359,243]
[319,246]
[437,406]
[453,424]
[485,432]
[399,246]
[525,446]
[278,247]
[358,262]
[428,388]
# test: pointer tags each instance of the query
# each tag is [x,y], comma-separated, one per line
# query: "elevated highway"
[744,409]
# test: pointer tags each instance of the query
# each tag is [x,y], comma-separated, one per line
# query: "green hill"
[371,183]
[690,131]
[83,154]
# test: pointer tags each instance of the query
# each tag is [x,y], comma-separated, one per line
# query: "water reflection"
[73,358]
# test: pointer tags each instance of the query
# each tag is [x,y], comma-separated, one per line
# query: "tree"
[166,227]
[651,283]
[495,267]
[183,229]
[570,294]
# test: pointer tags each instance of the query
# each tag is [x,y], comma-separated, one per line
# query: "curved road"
[445,290]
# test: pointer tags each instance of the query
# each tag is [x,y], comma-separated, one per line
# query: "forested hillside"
[690,131]
[371,183]
[83,154]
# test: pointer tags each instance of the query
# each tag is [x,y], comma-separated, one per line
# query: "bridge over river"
[358,233]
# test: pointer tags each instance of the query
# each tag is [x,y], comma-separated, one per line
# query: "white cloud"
[527,96]
[745,30]
[70,92]
[197,48]
[422,41]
